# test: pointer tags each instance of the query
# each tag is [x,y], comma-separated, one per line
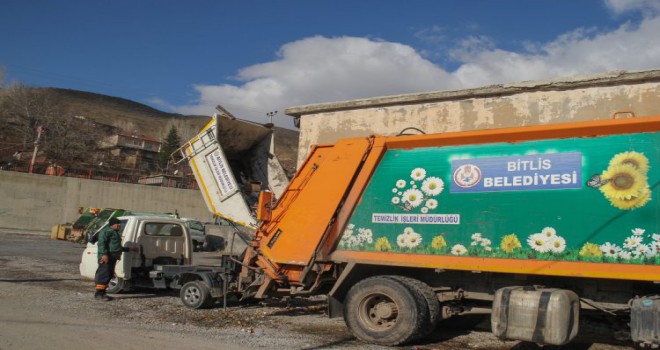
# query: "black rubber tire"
[383,311]
[116,285]
[432,302]
[195,295]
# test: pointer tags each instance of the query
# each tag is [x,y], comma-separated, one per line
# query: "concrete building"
[601,96]
[131,150]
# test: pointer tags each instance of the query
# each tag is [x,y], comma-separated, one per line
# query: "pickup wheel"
[116,285]
[195,295]
[384,311]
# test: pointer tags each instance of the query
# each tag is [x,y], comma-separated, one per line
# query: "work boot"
[102,297]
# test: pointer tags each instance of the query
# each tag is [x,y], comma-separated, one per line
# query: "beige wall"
[37,202]
[529,103]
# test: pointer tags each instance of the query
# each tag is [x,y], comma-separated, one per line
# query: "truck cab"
[148,241]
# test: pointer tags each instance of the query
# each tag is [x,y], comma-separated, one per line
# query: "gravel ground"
[45,304]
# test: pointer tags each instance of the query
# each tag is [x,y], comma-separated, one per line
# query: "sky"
[255,57]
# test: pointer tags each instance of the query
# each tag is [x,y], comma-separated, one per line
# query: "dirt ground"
[45,304]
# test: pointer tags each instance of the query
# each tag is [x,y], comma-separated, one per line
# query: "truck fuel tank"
[543,316]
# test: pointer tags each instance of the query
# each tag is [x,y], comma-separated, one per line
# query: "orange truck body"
[308,220]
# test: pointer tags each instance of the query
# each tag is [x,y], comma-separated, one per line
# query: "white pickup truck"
[158,254]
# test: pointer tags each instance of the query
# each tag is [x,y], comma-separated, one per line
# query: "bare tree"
[66,140]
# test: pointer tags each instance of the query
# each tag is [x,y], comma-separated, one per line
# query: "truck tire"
[384,311]
[195,295]
[116,285]
[431,302]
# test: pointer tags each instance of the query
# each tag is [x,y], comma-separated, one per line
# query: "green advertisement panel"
[579,199]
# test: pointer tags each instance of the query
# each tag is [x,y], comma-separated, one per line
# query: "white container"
[645,321]
[542,316]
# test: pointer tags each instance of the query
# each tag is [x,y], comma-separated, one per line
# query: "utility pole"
[271,115]
[40,130]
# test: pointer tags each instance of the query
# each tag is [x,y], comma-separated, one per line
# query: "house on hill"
[131,150]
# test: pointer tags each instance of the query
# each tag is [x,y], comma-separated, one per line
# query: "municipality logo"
[467,175]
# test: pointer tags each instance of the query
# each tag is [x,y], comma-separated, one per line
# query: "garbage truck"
[536,226]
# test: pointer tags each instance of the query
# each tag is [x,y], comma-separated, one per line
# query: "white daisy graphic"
[431,204]
[347,233]
[656,237]
[408,231]
[485,242]
[414,240]
[413,197]
[425,210]
[549,232]
[396,200]
[418,174]
[655,247]
[433,186]
[638,231]
[401,183]
[538,242]
[632,242]
[476,237]
[624,255]
[610,250]
[394,190]
[402,240]
[644,250]
[458,249]
[557,244]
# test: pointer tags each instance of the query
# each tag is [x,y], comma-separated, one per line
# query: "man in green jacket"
[109,252]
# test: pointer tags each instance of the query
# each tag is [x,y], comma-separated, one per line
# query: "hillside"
[139,118]
[128,115]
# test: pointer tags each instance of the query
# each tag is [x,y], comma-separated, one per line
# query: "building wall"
[34,202]
[529,103]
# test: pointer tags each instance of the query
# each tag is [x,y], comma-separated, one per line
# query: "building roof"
[568,83]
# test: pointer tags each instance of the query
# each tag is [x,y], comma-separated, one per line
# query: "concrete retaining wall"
[34,202]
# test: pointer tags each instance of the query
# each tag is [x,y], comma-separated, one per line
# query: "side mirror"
[265,206]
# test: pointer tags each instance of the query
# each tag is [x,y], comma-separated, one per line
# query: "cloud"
[321,69]
[578,52]
[619,7]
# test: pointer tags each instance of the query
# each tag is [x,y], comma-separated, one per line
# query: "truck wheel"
[195,294]
[384,311]
[116,285]
[431,301]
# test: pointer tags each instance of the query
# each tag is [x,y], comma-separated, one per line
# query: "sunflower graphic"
[510,243]
[635,159]
[634,202]
[622,182]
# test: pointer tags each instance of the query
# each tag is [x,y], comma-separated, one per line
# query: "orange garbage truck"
[535,226]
